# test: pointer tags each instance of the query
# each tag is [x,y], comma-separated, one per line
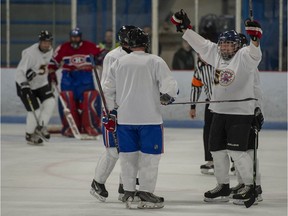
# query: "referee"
[203,78]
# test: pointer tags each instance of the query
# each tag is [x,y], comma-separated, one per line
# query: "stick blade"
[252,199]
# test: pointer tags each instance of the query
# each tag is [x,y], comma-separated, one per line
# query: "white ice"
[54,180]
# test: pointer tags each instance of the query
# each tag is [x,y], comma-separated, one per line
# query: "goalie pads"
[91,113]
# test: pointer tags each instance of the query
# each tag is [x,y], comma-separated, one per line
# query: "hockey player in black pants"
[32,87]
[231,123]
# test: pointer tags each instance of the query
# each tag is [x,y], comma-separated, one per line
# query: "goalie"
[77,86]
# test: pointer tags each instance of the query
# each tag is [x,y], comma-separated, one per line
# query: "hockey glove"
[52,78]
[166,99]
[181,20]
[110,122]
[258,119]
[26,90]
[30,74]
[253,29]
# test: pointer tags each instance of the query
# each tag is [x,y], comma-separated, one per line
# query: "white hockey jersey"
[235,77]
[34,59]
[109,59]
[135,82]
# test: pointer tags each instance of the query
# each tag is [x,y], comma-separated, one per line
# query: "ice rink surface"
[54,179]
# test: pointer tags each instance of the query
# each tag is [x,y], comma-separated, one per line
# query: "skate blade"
[149,205]
[97,196]
[218,199]
[241,202]
[34,144]
[207,172]
[88,137]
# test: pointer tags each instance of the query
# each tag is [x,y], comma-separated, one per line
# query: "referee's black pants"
[206,130]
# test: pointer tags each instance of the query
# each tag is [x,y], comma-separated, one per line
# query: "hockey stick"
[251,10]
[103,98]
[252,199]
[70,119]
[35,116]
[218,101]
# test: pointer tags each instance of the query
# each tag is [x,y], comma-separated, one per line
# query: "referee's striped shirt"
[203,78]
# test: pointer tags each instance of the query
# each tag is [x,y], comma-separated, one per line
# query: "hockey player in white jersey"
[108,159]
[235,78]
[134,85]
[32,87]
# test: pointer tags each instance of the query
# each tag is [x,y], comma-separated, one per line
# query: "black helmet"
[76,32]
[45,36]
[123,34]
[138,38]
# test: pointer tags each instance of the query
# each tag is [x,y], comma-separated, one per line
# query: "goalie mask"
[45,41]
[123,34]
[75,38]
[228,44]
[138,38]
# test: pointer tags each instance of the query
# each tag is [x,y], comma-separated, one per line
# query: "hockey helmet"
[76,32]
[228,44]
[243,40]
[138,38]
[45,36]
[208,27]
[74,40]
[123,34]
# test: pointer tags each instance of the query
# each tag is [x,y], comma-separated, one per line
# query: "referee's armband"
[197,82]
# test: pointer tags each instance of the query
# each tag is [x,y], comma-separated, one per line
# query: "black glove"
[25,89]
[253,29]
[181,20]
[30,74]
[258,119]
[166,99]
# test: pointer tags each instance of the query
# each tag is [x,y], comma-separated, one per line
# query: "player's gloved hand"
[181,20]
[110,122]
[258,119]
[166,99]
[26,90]
[52,78]
[253,29]
[30,74]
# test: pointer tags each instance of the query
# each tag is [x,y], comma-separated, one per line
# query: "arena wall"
[274,85]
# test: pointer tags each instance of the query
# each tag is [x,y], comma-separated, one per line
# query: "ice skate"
[244,195]
[219,194]
[239,201]
[207,168]
[121,194]
[99,191]
[42,132]
[150,201]
[33,139]
[128,198]
[236,189]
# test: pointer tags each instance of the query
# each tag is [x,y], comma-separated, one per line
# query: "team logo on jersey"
[226,77]
[77,59]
